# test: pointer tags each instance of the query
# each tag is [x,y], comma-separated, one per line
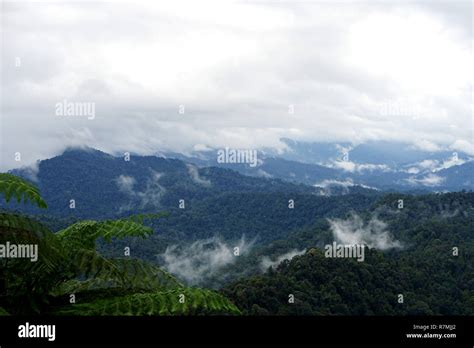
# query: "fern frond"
[124,274]
[26,281]
[196,301]
[20,222]
[145,276]
[83,234]
[22,190]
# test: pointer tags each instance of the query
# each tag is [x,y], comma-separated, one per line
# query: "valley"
[225,210]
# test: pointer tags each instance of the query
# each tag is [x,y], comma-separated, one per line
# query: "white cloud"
[327,184]
[428,164]
[264,174]
[194,174]
[149,197]
[350,166]
[202,259]
[267,262]
[453,161]
[428,180]
[31,172]
[126,183]
[353,231]
[464,146]
[412,170]
[235,67]
[426,145]
[345,165]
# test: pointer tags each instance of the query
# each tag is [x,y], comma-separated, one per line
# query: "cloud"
[267,262]
[170,77]
[327,184]
[194,174]
[345,165]
[354,231]
[428,180]
[264,174]
[125,184]
[202,259]
[371,167]
[433,166]
[464,146]
[150,197]
[428,164]
[359,167]
[330,182]
[426,145]
[454,161]
[31,172]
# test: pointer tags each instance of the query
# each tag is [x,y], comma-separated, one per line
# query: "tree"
[71,277]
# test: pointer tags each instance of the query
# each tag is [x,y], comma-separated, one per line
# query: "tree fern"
[123,274]
[24,285]
[13,186]
[20,222]
[68,263]
[84,234]
[196,301]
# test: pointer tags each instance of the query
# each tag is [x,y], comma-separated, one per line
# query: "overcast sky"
[247,74]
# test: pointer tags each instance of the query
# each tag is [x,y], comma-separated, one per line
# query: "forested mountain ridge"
[424,222]
[433,267]
[410,237]
[104,186]
[439,285]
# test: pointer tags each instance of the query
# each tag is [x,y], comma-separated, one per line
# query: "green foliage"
[85,233]
[432,279]
[126,274]
[196,302]
[20,222]
[24,285]
[20,189]
[69,264]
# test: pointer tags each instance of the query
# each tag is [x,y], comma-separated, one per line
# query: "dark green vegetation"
[219,202]
[89,243]
[104,186]
[431,279]
[69,267]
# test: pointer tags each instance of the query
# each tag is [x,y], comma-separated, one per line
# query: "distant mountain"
[102,185]
[339,167]
[312,152]
[227,208]
[391,154]
[202,202]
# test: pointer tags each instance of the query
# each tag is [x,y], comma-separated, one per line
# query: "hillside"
[423,267]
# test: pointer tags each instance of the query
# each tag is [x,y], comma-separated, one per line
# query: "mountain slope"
[432,276]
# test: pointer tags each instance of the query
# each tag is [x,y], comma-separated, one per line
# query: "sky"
[160,76]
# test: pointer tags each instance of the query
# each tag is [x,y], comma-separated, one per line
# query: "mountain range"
[379,165]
